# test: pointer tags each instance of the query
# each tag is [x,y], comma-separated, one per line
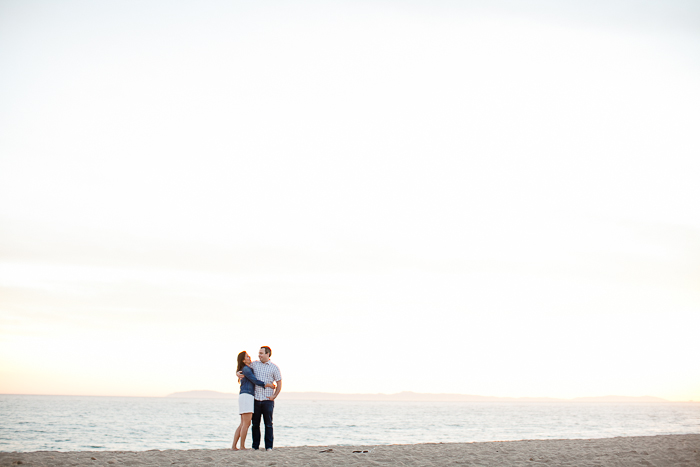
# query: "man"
[268,372]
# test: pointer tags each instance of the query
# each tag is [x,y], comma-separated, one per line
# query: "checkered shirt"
[268,373]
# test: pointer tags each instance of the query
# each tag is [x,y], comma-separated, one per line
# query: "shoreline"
[659,450]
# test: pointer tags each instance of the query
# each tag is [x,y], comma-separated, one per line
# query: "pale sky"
[492,197]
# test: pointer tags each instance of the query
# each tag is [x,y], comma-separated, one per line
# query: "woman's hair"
[241,357]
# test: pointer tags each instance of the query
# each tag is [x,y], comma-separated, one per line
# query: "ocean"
[78,423]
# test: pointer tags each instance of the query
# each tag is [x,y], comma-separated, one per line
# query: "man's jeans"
[264,409]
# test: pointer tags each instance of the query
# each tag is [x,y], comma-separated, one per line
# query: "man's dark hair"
[267,350]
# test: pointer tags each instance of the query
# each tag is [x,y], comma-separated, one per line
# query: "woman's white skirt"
[246,403]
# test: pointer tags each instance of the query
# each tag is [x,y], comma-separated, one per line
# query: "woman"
[246,399]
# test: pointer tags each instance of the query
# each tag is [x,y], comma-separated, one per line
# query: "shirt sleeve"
[248,373]
[278,374]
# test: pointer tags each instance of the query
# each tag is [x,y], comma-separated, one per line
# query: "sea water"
[76,423]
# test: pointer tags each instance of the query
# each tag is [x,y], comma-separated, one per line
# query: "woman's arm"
[248,373]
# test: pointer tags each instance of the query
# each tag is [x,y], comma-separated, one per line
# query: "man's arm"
[277,390]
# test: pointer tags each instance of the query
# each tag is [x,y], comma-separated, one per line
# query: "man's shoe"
[268,449]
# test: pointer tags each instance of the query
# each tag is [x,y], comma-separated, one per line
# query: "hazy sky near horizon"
[496,198]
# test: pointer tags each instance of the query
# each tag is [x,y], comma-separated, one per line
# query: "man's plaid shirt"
[268,373]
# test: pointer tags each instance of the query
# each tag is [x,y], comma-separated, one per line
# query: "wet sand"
[667,450]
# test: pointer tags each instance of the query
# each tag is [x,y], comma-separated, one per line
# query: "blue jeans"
[264,409]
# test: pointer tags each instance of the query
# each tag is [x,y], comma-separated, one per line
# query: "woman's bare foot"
[243,449]
[234,448]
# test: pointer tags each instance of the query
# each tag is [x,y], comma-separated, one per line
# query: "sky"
[495,198]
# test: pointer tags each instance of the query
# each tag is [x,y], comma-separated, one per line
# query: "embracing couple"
[257,396]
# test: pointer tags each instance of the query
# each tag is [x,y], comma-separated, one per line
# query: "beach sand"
[669,450]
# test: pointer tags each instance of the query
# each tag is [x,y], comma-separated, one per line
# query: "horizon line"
[219,394]
[407,395]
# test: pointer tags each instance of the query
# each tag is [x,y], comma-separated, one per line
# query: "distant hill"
[412,396]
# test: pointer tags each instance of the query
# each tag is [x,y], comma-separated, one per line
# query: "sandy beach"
[669,450]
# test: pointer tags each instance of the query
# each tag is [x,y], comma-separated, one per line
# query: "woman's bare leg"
[245,424]
[238,434]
